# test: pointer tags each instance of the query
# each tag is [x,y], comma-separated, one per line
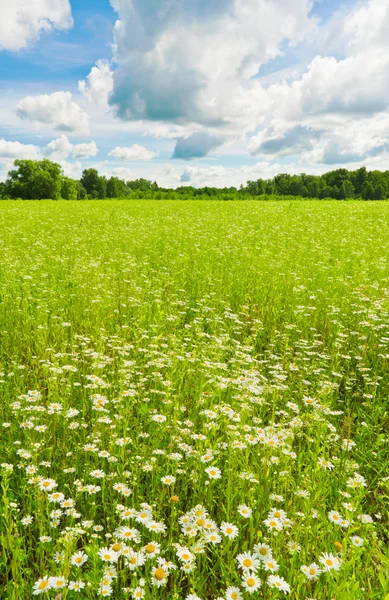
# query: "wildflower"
[41,586]
[213,472]
[57,583]
[152,549]
[159,576]
[137,593]
[78,559]
[357,541]
[293,547]
[212,537]
[47,485]
[251,583]
[135,559]
[279,583]
[229,530]
[27,520]
[233,593]
[263,551]
[108,555]
[329,562]
[312,571]
[335,517]
[271,565]
[168,480]
[244,511]
[76,586]
[185,555]
[248,561]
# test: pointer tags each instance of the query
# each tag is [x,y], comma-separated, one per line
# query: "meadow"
[194,400]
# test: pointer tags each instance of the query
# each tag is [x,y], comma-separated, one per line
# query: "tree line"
[45,179]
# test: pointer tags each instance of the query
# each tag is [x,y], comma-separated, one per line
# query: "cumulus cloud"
[196,145]
[62,148]
[99,84]
[291,141]
[85,150]
[13,150]
[220,176]
[57,110]
[22,22]
[195,60]
[334,112]
[135,152]
[59,149]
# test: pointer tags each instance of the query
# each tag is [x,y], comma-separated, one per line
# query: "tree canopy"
[44,179]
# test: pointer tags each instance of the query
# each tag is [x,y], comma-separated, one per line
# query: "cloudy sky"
[201,92]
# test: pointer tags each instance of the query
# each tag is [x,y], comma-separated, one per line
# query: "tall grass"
[194,400]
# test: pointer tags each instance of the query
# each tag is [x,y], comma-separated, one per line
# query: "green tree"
[347,190]
[69,189]
[367,191]
[94,185]
[34,180]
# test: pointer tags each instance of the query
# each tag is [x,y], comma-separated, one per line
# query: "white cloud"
[194,61]
[335,112]
[57,110]
[62,148]
[59,149]
[17,150]
[135,152]
[73,170]
[220,176]
[85,150]
[99,84]
[23,21]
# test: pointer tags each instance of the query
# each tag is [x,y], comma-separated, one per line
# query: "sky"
[195,92]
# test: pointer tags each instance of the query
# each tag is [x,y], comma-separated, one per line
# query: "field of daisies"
[194,400]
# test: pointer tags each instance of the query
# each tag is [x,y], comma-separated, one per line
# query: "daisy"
[152,549]
[279,583]
[185,555]
[312,571]
[78,559]
[108,555]
[245,511]
[213,472]
[135,559]
[229,530]
[47,485]
[247,561]
[251,583]
[57,582]
[168,480]
[41,586]
[159,576]
[271,565]
[137,593]
[233,593]
[76,586]
[263,551]
[329,562]
[357,541]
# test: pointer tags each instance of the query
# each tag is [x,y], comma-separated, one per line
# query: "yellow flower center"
[247,562]
[43,585]
[159,574]
[150,548]
[250,582]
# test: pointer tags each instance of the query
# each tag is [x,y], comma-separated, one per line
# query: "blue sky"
[188,91]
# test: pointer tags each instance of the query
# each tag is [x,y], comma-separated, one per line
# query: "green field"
[194,400]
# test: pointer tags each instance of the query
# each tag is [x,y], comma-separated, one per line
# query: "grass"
[184,383]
